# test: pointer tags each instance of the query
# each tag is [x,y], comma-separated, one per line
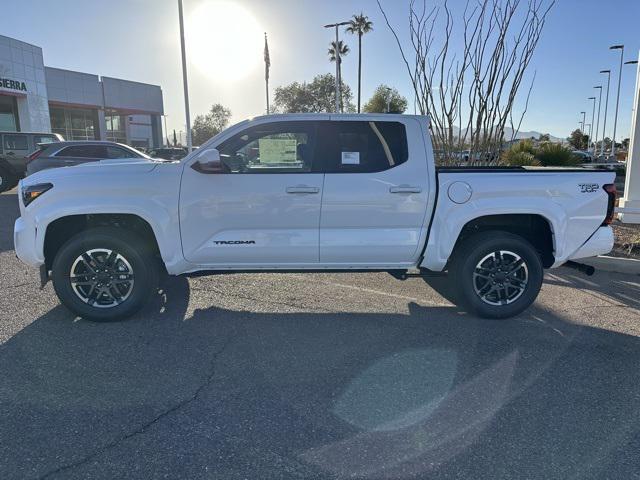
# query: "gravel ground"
[289,376]
[627,240]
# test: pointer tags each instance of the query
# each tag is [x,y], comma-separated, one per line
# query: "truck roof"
[345,116]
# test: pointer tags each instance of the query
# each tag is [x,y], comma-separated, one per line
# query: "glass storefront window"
[8,114]
[74,123]
[115,127]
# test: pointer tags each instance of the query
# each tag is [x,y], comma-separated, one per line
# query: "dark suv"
[15,148]
[68,154]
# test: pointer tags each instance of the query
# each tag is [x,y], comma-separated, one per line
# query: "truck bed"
[508,169]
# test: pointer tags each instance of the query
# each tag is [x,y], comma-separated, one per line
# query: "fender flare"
[170,250]
[440,246]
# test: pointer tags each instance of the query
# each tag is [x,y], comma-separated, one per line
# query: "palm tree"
[343,49]
[360,25]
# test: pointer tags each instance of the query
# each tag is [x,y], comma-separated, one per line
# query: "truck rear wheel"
[104,274]
[498,274]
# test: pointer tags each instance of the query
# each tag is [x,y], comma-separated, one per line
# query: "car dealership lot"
[319,376]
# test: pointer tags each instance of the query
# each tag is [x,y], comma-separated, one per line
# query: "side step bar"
[422,273]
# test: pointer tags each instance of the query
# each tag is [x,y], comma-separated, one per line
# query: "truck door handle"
[303,189]
[405,189]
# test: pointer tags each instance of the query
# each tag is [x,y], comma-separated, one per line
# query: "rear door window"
[15,143]
[118,152]
[84,151]
[37,139]
[363,147]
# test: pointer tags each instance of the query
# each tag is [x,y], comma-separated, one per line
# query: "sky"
[139,40]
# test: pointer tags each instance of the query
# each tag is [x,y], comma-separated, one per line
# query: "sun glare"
[224,40]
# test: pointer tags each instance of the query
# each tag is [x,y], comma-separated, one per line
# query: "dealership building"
[78,106]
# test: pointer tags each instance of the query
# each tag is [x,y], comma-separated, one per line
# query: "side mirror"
[209,162]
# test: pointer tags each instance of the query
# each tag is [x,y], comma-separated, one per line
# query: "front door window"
[284,147]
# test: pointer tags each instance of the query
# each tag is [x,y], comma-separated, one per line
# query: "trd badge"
[588,187]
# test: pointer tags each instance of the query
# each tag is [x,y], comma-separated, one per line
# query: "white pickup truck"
[316,192]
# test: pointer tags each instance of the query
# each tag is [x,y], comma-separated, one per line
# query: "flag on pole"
[267,65]
[267,59]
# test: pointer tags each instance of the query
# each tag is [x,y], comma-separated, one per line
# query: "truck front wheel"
[498,274]
[104,274]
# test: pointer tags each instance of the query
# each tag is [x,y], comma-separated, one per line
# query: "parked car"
[584,157]
[313,192]
[15,148]
[69,154]
[168,153]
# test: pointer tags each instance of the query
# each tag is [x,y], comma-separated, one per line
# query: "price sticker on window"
[278,150]
[350,158]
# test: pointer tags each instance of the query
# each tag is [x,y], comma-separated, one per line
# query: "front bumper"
[599,243]
[24,240]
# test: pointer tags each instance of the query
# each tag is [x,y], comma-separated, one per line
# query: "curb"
[629,266]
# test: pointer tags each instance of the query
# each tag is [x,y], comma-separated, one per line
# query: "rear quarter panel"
[573,215]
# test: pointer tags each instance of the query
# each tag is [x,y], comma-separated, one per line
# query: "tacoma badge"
[234,242]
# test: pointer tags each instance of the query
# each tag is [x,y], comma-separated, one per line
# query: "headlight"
[30,193]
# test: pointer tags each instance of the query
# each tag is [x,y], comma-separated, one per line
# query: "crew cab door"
[375,192]
[263,208]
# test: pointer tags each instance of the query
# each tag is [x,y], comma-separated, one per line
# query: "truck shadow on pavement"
[232,393]
[622,290]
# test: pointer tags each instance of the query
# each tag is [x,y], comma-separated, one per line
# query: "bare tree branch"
[469,90]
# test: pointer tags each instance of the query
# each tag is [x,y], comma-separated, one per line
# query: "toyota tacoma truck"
[309,193]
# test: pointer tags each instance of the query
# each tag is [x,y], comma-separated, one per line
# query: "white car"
[312,192]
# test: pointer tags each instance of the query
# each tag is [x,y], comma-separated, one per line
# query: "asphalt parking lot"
[319,376]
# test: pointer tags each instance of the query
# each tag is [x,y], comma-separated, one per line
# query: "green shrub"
[555,155]
[524,146]
[520,154]
[516,158]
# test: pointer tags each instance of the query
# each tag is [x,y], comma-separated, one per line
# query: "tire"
[517,272]
[7,180]
[113,281]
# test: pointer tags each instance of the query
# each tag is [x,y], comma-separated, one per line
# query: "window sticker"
[350,158]
[278,150]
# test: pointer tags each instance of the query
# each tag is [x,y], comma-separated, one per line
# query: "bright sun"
[224,40]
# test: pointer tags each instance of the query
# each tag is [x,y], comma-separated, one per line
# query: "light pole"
[595,145]
[166,132]
[615,118]
[606,105]
[388,98]
[184,77]
[593,115]
[589,136]
[337,52]
[583,126]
